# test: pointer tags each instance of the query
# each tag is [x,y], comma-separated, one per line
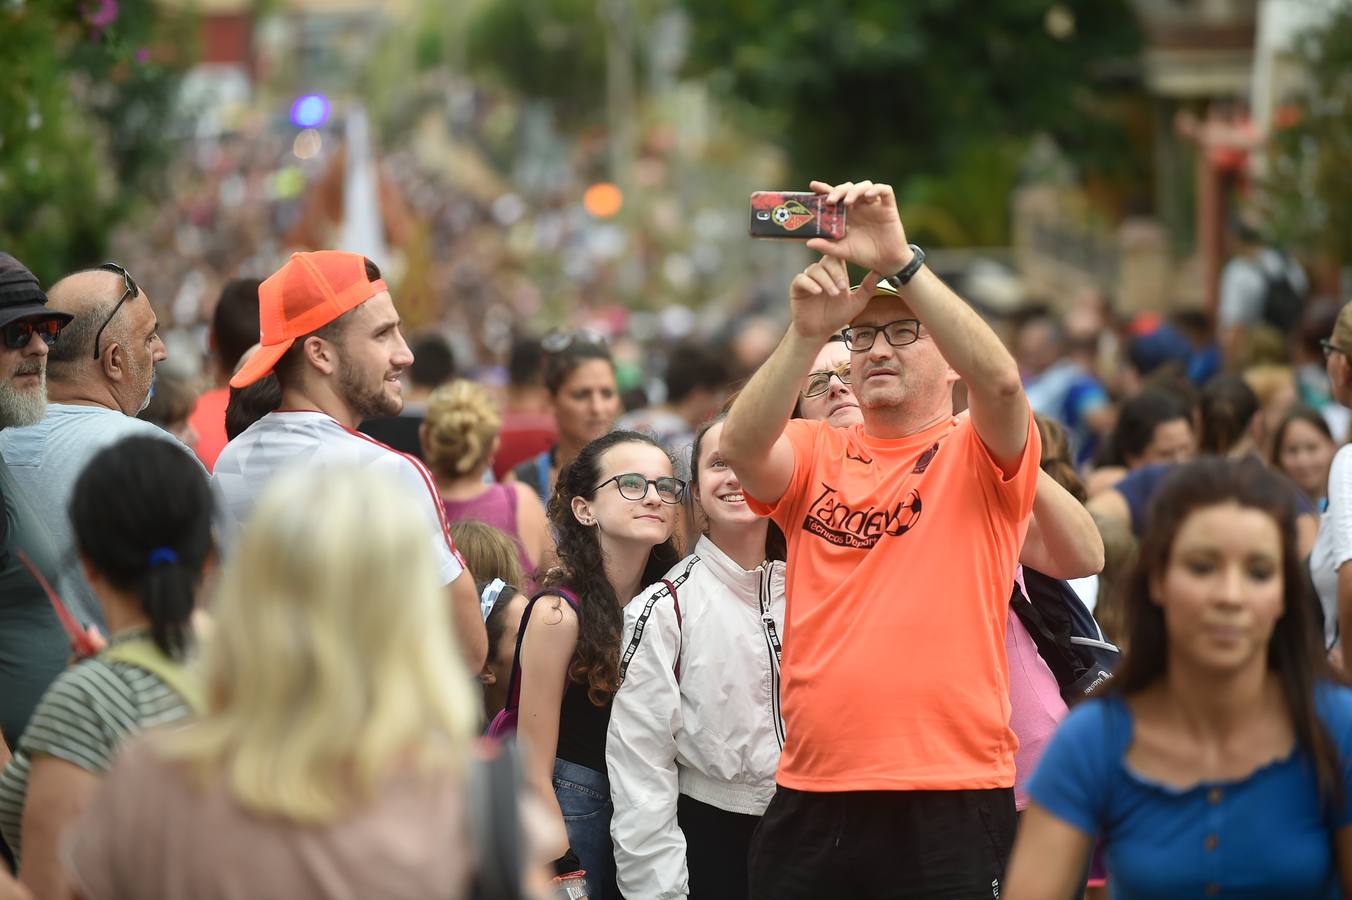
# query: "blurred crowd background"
[519,167]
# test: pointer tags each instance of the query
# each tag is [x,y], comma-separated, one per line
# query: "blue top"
[1265,835]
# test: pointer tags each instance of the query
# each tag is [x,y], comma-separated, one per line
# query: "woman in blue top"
[1216,763]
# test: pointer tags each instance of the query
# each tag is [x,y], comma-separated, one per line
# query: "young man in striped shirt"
[330,332]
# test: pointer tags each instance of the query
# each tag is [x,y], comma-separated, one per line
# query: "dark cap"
[21,296]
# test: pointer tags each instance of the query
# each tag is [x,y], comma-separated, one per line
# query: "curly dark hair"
[581,569]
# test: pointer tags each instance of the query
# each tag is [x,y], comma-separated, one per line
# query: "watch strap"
[903,277]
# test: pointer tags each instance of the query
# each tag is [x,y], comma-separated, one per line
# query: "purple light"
[310,111]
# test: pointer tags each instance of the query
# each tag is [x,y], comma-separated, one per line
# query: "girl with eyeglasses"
[584,398]
[696,732]
[613,511]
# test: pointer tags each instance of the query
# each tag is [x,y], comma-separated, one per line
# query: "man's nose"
[36,346]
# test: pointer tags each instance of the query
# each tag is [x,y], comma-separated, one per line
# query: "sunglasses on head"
[129,289]
[558,341]
[18,334]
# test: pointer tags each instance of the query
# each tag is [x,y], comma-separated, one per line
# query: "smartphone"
[796,215]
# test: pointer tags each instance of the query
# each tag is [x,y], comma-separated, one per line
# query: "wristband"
[902,278]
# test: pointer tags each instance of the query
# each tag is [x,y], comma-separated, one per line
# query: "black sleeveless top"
[582,729]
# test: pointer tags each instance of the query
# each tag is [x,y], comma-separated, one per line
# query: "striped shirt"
[302,438]
[88,711]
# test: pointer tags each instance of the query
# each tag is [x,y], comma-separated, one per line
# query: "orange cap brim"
[260,364]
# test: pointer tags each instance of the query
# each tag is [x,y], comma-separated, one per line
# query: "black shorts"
[879,845]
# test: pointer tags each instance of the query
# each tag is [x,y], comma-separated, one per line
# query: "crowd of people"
[917,609]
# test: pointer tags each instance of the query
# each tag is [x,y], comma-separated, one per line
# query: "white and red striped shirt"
[286,439]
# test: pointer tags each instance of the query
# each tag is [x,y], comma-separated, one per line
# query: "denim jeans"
[584,799]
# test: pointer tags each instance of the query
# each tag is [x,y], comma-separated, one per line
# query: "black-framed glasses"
[633,486]
[1330,348]
[898,334]
[18,334]
[129,289]
[559,341]
[819,382]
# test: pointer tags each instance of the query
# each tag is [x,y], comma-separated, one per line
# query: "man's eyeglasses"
[18,334]
[129,289]
[1331,348]
[633,486]
[898,334]
[819,382]
[558,341]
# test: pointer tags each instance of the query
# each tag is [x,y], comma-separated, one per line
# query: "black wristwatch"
[900,279]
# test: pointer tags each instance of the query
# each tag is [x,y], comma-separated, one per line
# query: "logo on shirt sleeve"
[833,520]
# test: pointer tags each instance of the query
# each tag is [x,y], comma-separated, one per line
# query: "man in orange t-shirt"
[904,532]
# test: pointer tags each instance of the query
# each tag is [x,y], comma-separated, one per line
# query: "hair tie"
[162,556]
[490,595]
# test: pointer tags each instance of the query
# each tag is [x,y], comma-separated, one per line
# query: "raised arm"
[753,443]
[1062,540]
[876,240]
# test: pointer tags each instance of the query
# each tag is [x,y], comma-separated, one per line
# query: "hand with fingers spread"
[874,238]
[821,300]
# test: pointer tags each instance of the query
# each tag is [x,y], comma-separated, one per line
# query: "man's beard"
[367,400]
[20,407]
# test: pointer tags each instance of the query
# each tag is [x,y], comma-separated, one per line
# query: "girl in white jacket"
[695,730]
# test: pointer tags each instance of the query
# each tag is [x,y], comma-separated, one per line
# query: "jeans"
[584,799]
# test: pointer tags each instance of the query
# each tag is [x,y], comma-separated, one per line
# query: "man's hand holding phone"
[876,239]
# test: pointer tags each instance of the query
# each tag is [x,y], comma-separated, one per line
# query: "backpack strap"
[641,624]
[143,654]
[676,602]
[514,680]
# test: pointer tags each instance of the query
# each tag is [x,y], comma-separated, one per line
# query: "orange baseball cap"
[307,293]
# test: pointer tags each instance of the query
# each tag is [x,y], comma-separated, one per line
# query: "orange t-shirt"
[901,562]
[208,420]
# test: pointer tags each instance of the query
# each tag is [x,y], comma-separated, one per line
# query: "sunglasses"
[819,382]
[558,341]
[1330,348]
[129,289]
[633,486]
[898,334]
[18,334]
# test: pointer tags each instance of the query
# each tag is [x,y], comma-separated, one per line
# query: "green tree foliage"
[86,88]
[934,95]
[1309,191]
[547,49]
